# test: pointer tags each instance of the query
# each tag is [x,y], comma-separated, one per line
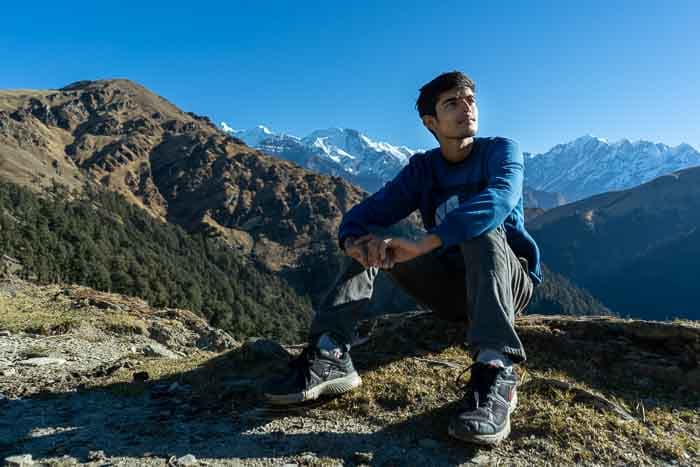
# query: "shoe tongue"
[328,347]
[335,353]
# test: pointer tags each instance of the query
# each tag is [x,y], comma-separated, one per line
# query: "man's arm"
[394,201]
[487,209]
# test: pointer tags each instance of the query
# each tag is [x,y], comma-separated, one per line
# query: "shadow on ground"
[214,411]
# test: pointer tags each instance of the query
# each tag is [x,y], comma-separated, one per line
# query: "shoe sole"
[333,387]
[491,439]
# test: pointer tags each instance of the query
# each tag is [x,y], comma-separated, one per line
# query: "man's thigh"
[436,282]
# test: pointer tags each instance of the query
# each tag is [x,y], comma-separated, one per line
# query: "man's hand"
[386,252]
[372,251]
[356,248]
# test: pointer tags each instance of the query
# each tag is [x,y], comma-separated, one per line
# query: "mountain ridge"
[589,165]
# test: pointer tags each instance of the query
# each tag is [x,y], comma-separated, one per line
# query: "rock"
[5,333]
[8,372]
[186,460]
[19,461]
[307,457]
[41,361]
[428,443]
[481,459]
[363,457]
[158,350]
[263,349]
[96,455]
[141,376]
[216,340]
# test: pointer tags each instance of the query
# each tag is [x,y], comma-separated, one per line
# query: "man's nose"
[466,104]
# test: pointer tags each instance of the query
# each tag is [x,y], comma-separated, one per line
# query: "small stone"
[186,460]
[133,349]
[5,333]
[363,457]
[19,461]
[8,372]
[41,361]
[97,455]
[141,376]
[481,459]
[307,457]
[428,443]
[155,349]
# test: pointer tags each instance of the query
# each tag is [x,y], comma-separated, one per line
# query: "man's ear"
[429,121]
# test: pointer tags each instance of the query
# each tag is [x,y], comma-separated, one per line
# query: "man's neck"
[456,150]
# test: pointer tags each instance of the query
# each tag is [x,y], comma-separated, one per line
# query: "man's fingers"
[382,249]
[363,239]
[372,252]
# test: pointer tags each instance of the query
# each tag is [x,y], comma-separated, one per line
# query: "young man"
[477,263]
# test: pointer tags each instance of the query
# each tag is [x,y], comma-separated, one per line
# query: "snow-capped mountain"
[335,151]
[590,165]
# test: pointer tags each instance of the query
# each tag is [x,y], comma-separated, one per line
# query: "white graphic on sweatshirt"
[448,205]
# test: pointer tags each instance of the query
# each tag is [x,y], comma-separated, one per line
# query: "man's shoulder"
[499,141]
[420,159]
[422,155]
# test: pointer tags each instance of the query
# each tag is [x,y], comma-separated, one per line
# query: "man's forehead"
[456,92]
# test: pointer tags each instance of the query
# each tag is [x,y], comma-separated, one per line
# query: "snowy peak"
[590,165]
[251,137]
[337,150]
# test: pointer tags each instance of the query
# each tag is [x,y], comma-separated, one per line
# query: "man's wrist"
[429,242]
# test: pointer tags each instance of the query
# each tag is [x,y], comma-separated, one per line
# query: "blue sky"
[546,72]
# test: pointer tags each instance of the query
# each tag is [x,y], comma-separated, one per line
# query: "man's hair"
[429,93]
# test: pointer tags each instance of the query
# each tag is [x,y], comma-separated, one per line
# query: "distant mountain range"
[568,172]
[352,155]
[588,165]
[334,151]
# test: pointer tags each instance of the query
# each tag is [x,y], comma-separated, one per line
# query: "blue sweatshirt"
[457,201]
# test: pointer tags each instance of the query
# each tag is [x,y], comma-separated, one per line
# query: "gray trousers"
[482,284]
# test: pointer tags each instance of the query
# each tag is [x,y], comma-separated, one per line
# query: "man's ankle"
[330,345]
[493,357]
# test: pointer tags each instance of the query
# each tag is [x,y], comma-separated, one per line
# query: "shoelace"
[481,382]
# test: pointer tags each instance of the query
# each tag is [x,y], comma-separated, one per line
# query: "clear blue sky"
[546,72]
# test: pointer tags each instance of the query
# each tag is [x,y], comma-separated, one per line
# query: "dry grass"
[48,311]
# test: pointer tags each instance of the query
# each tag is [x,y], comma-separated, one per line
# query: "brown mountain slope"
[176,165]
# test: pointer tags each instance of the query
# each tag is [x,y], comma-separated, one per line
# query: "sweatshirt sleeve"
[394,201]
[487,209]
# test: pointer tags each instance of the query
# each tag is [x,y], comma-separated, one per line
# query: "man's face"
[457,116]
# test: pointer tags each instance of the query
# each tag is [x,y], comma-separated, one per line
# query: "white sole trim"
[332,387]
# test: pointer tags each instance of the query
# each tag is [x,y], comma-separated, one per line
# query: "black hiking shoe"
[313,373]
[489,399]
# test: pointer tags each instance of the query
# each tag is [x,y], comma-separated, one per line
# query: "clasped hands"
[373,251]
